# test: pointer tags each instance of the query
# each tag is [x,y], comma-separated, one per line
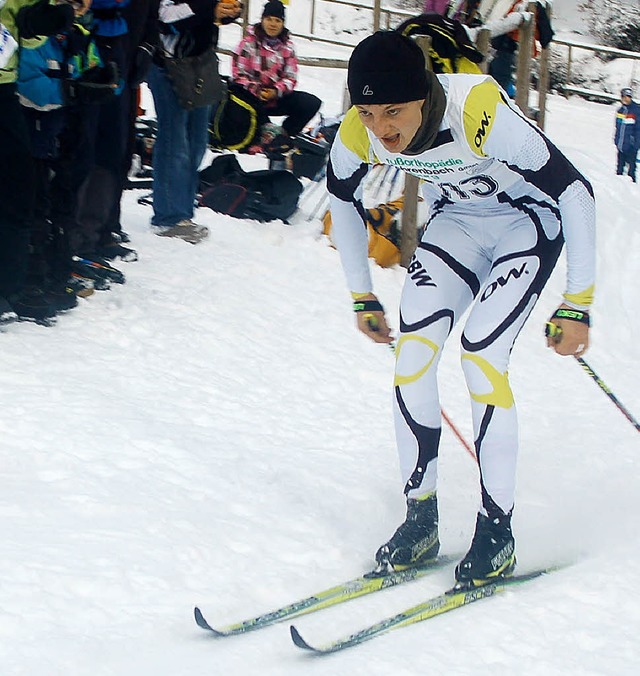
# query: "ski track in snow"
[216,433]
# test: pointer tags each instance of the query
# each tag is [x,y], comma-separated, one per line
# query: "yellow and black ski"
[360,586]
[450,600]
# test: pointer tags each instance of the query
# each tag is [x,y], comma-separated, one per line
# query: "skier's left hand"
[567,336]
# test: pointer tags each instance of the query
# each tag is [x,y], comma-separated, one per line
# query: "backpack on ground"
[311,149]
[264,195]
[309,157]
[234,124]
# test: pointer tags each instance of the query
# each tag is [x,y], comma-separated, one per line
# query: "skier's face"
[394,124]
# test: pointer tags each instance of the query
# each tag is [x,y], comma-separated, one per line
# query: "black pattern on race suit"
[345,188]
[503,300]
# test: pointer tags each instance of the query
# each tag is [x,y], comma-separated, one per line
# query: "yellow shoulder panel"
[353,135]
[480,113]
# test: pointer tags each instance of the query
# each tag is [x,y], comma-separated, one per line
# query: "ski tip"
[200,621]
[298,640]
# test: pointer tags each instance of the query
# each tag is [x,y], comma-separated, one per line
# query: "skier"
[503,200]
[627,134]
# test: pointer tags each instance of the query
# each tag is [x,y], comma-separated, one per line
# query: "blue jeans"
[180,146]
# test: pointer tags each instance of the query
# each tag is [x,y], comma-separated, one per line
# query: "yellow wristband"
[359,296]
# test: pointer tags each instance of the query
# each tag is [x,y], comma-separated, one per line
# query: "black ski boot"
[492,552]
[416,542]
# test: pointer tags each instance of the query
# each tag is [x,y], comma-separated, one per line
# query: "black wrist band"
[573,315]
[367,306]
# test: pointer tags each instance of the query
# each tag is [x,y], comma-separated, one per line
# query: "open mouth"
[390,141]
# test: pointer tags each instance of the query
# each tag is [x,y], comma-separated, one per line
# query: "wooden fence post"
[543,81]
[376,15]
[482,44]
[409,229]
[523,73]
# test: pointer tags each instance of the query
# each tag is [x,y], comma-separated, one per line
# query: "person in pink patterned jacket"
[265,64]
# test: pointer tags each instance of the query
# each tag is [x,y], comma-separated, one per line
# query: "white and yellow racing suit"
[503,200]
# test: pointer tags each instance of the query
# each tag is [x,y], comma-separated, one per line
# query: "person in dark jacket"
[27,19]
[627,135]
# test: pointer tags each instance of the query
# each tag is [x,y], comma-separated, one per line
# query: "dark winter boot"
[30,304]
[492,552]
[61,296]
[416,542]
[7,313]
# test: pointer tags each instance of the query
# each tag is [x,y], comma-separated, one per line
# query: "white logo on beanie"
[367,91]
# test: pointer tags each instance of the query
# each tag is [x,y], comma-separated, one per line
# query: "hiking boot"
[416,542]
[31,304]
[492,552]
[83,287]
[7,313]
[281,143]
[61,297]
[186,230]
[113,250]
[96,268]
[121,237]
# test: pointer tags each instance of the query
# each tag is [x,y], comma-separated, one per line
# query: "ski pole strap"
[573,315]
[367,306]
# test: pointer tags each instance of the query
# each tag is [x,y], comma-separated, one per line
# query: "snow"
[215,432]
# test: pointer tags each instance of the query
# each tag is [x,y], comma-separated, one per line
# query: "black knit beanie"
[386,67]
[274,8]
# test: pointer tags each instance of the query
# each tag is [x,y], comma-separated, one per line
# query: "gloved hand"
[141,64]
[44,19]
[370,317]
[94,86]
[567,331]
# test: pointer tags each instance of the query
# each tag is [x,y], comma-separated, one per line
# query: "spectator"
[265,64]
[502,65]
[187,28]
[437,6]
[627,136]
[27,18]
[98,138]
[53,73]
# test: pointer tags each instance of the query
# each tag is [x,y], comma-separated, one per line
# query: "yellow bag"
[383,226]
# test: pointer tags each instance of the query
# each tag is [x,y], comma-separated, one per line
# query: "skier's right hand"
[371,321]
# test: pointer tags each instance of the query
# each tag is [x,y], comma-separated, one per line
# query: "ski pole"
[601,384]
[458,435]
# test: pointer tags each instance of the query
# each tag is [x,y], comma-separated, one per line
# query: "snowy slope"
[215,432]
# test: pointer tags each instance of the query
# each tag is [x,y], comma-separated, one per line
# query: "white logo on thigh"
[367,91]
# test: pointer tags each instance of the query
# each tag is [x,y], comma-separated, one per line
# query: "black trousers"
[299,108]
[100,191]
[17,181]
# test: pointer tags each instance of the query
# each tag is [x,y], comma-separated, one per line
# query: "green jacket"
[8,13]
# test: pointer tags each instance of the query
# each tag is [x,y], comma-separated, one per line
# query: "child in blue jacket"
[627,136]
